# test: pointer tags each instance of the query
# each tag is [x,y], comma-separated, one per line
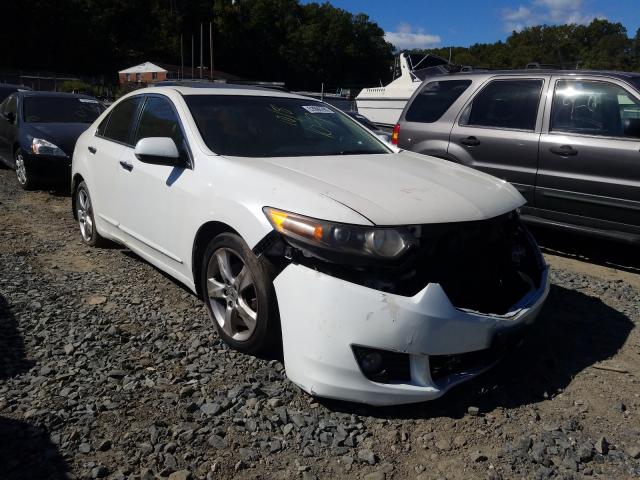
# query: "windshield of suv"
[60,110]
[252,126]
[636,82]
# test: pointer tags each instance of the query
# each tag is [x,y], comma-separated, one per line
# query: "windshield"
[636,82]
[61,110]
[252,126]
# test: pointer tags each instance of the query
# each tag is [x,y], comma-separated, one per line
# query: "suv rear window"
[434,100]
[505,104]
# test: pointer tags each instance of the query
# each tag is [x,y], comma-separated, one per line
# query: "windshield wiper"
[355,152]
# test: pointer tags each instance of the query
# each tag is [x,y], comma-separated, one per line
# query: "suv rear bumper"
[324,317]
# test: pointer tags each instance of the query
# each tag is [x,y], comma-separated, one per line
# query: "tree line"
[303,45]
[601,45]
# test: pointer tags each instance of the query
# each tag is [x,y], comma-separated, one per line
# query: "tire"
[22,172]
[86,218]
[238,292]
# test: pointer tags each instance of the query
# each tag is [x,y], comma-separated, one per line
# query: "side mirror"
[158,151]
[632,127]
[10,116]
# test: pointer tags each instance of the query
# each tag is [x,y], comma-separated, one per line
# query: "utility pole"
[201,52]
[211,50]
[181,60]
[192,55]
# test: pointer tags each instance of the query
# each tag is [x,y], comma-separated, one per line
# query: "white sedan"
[387,277]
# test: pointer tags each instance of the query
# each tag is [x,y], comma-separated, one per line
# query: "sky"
[432,23]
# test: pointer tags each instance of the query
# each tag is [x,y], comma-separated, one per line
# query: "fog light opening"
[382,366]
[371,363]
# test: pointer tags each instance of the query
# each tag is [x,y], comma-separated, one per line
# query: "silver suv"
[568,141]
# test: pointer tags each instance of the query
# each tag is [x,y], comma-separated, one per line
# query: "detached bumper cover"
[322,317]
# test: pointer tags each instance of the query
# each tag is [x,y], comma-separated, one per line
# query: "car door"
[104,152]
[499,128]
[8,128]
[157,197]
[590,151]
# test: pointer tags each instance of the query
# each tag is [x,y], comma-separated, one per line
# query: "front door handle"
[470,141]
[127,166]
[92,149]
[564,151]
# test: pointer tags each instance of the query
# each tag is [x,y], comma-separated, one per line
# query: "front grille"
[486,266]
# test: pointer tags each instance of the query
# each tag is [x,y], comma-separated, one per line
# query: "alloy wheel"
[21,170]
[85,215]
[231,292]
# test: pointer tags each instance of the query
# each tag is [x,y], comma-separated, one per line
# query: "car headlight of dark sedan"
[40,146]
[377,242]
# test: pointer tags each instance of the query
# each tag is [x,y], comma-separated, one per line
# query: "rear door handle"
[92,149]
[470,141]
[564,151]
[127,166]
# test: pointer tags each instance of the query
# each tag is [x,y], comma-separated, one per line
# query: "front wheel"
[22,172]
[239,295]
[86,218]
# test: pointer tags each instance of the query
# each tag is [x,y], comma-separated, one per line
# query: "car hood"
[64,135]
[402,188]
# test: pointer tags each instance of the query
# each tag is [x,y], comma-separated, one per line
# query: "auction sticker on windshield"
[317,109]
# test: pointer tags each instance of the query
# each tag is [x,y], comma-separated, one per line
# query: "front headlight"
[40,146]
[383,243]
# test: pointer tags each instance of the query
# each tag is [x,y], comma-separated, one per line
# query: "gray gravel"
[109,369]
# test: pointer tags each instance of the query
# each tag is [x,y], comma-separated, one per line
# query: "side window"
[159,119]
[11,106]
[509,104]
[103,126]
[121,120]
[594,108]
[434,100]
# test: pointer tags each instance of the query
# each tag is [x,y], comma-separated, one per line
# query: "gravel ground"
[109,369]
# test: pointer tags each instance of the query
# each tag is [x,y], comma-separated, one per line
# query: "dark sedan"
[38,132]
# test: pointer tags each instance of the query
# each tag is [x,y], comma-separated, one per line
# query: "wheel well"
[77,178]
[205,233]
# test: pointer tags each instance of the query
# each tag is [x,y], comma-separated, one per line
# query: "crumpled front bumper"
[322,317]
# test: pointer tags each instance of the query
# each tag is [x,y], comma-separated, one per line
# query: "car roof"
[544,71]
[28,93]
[226,89]
[13,85]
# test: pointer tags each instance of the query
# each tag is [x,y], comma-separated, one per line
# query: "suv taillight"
[395,133]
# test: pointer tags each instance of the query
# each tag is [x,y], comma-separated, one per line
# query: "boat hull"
[382,111]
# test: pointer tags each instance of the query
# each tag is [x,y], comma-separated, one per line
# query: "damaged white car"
[387,277]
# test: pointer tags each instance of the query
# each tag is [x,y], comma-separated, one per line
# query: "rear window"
[434,100]
[61,110]
[257,126]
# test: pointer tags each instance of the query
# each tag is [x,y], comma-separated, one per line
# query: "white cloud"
[406,37]
[517,19]
[547,12]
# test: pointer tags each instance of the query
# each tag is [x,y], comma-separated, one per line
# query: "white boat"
[383,105]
